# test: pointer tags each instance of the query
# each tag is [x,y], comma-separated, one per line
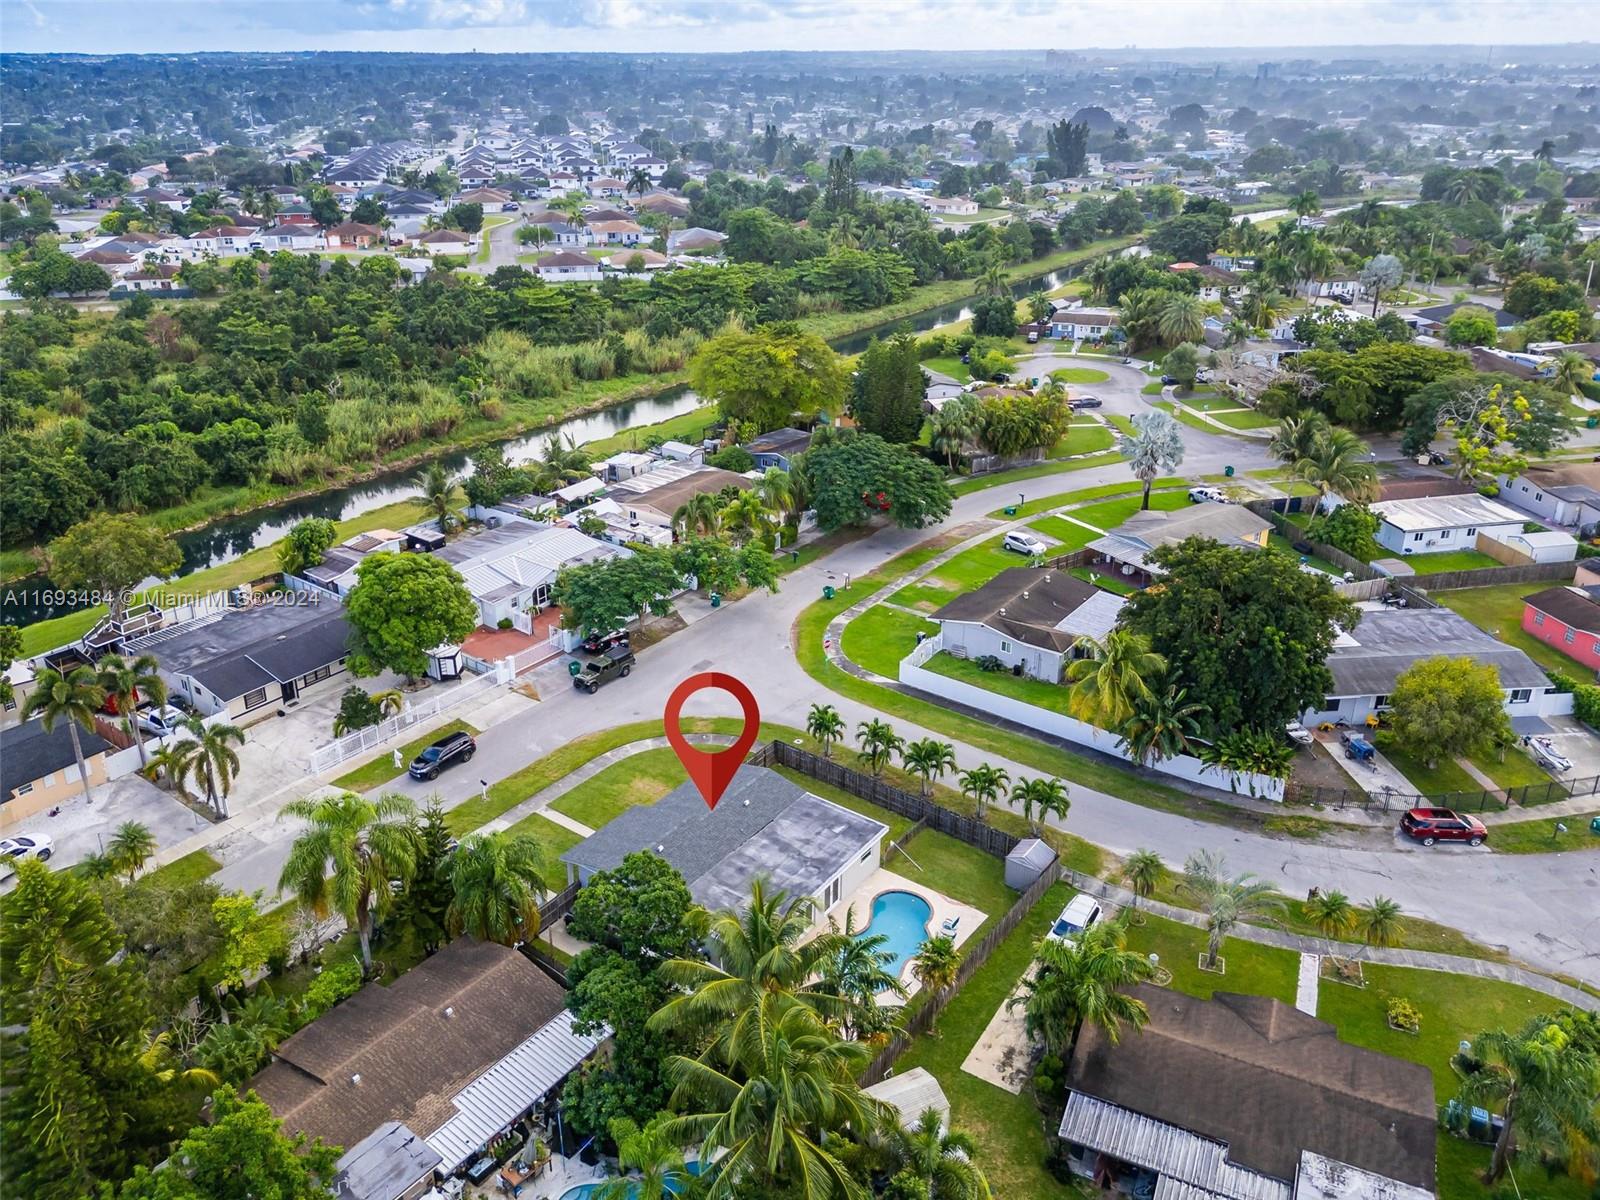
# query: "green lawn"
[1070,534]
[1087,438]
[1109,583]
[978,483]
[1050,696]
[555,840]
[949,365]
[685,427]
[1498,610]
[1445,776]
[1258,970]
[1122,424]
[1279,542]
[880,637]
[1247,418]
[975,567]
[1541,836]
[926,597]
[1009,1130]
[1450,560]
[1079,375]
[191,868]
[1518,770]
[1153,388]
[960,871]
[1111,513]
[638,779]
[1082,495]
[382,769]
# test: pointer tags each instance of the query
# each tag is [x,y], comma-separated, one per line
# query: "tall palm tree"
[1333,914]
[75,696]
[653,1164]
[208,757]
[747,518]
[347,857]
[1572,371]
[856,969]
[131,847]
[639,182]
[929,758]
[438,496]
[1114,675]
[776,491]
[1306,204]
[1162,724]
[825,724]
[570,206]
[993,281]
[1338,462]
[1315,260]
[1262,306]
[1546,151]
[1153,449]
[1226,899]
[878,741]
[1296,437]
[984,785]
[700,514]
[1541,1080]
[1047,796]
[954,426]
[1465,187]
[1081,980]
[936,963]
[497,884]
[1382,922]
[1182,318]
[1143,872]
[125,682]
[942,1159]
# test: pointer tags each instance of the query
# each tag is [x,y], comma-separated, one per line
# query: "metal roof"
[1444,512]
[1172,1151]
[384,1164]
[511,1087]
[1035,852]
[912,1093]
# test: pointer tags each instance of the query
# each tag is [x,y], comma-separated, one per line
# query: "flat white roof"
[1445,512]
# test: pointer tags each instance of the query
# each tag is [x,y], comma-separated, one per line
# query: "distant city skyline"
[183,26]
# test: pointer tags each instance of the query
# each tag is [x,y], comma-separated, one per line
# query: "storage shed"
[1030,859]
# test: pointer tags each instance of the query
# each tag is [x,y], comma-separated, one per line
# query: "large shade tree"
[766,375]
[403,606]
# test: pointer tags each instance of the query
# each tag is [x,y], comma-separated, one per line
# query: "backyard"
[1498,611]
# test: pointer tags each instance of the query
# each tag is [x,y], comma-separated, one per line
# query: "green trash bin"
[1594,824]
[716,599]
[827,591]
[1228,471]
[574,668]
[1011,510]
[1591,422]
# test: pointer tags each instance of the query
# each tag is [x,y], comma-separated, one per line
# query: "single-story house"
[683,241]
[1029,617]
[663,202]
[1568,619]
[220,240]
[336,573]
[574,495]
[625,464]
[763,826]
[951,206]
[1563,495]
[681,452]
[1432,321]
[1082,323]
[456,1051]
[779,448]
[1127,548]
[1215,283]
[288,235]
[1367,660]
[390,1163]
[492,199]
[513,567]
[1433,524]
[445,241]
[353,235]
[1246,1098]
[249,659]
[567,266]
[1346,285]
[616,233]
[671,484]
[38,769]
[1267,353]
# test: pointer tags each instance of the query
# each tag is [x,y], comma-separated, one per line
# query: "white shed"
[1547,547]
[912,1093]
[1030,859]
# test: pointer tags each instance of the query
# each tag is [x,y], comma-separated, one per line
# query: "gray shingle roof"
[28,752]
[1368,660]
[249,648]
[1038,608]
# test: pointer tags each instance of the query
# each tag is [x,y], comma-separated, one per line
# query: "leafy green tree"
[1082,980]
[929,758]
[984,785]
[945,1160]
[1013,423]
[10,651]
[130,847]
[305,544]
[1471,325]
[1448,707]
[878,741]
[857,970]
[357,710]
[768,374]
[423,907]
[1246,634]
[1155,448]
[1333,915]
[954,426]
[241,1153]
[498,883]
[642,910]
[606,594]
[1115,673]
[110,553]
[347,856]
[207,757]
[1183,364]
[126,682]
[403,606]
[825,724]
[75,697]
[250,937]
[1225,899]
[857,478]
[1352,528]
[888,389]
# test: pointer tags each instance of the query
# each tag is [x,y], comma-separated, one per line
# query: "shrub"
[1403,1014]
[1586,704]
[1561,682]
[732,458]
[336,983]
[503,623]
[988,662]
[1350,527]
[1586,550]
[356,711]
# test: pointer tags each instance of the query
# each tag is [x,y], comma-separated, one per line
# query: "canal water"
[28,600]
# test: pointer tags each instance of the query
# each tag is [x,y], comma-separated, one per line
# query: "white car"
[1298,733]
[1081,912]
[1024,543]
[1207,495]
[14,849]
[160,721]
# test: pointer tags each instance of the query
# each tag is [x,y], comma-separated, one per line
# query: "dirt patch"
[655,629]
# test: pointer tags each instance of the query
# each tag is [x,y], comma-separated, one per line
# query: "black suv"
[615,662]
[599,643]
[446,752]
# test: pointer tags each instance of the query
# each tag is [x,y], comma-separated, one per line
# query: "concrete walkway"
[1305,988]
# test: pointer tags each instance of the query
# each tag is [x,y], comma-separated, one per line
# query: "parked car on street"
[1022,542]
[1081,912]
[14,849]
[1430,825]
[1085,402]
[615,663]
[449,750]
[598,643]
[159,722]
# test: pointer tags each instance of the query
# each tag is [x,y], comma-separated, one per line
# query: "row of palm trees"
[204,755]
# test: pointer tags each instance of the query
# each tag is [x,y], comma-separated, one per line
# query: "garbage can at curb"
[574,668]
[716,599]
[827,591]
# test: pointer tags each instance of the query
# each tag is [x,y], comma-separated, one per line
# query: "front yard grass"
[1111,513]
[927,596]
[1051,696]
[978,483]
[1082,495]
[1541,836]
[555,840]
[1079,375]
[1279,542]
[1153,388]
[641,778]
[880,637]
[1518,771]
[382,769]
[975,567]
[1256,969]
[1498,611]
[1069,534]
[1089,437]
[1444,777]
[180,872]
[951,366]
[1247,418]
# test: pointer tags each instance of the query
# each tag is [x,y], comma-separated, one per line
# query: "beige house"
[38,770]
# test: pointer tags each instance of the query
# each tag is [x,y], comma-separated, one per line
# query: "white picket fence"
[325,758]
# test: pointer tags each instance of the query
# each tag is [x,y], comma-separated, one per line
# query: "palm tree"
[131,847]
[498,883]
[825,724]
[75,695]
[207,755]
[878,741]
[1541,1080]
[1048,796]
[984,785]
[936,963]
[1143,872]
[1296,437]
[639,182]
[747,517]
[1315,259]
[1161,725]
[166,764]
[1263,305]
[438,496]
[929,758]
[700,514]
[954,426]
[1465,187]
[1182,318]
[993,281]
[389,701]
[1306,204]
[776,491]
[1546,151]
[1333,914]
[942,1159]
[1227,900]
[1382,922]
[1153,449]
[1572,371]
[1114,674]
[348,856]
[1338,462]
[855,970]
[652,1162]
[1276,271]
[570,206]
[124,682]
[1081,980]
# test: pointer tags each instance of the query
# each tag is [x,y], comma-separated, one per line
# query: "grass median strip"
[382,769]
[1061,499]
[978,483]
[1543,836]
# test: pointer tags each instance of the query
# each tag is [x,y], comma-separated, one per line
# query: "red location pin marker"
[711,772]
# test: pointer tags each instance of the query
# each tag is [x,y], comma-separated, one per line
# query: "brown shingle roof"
[669,496]
[1268,1080]
[411,1057]
[1033,602]
[1574,608]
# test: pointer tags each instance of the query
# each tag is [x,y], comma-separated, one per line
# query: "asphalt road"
[1545,909]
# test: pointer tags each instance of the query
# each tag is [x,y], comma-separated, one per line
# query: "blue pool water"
[586,1191]
[903,918]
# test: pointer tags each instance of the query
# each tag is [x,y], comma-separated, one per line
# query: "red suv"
[1430,825]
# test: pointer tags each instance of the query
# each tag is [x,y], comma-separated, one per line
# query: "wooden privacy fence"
[1444,581]
[1274,512]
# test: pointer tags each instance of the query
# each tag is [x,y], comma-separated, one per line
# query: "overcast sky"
[144,26]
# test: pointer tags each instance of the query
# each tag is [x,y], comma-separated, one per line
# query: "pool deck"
[883,880]
[561,1176]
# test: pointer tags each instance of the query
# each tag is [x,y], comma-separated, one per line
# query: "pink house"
[1568,619]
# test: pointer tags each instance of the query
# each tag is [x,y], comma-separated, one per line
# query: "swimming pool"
[902,917]
[586,1191]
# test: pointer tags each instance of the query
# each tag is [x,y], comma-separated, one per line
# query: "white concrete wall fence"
[914,674]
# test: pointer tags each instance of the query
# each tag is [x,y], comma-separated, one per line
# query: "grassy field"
[1451,560]
[1279,542]
[1444,776]
[1109,514]
[1498,610]
[1051,696]
[925,597]
[975,567]
[1542,837]
[880,637]
[555,840]
[949,365]
[1247,418]
[1079,375]
[1070,534]
[685,427]
[382,769]
[641,778]
[978,483]
[1122,424]
[1258,970]
[1082,495]
[1090,437]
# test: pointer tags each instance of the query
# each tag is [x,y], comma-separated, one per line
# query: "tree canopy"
[766,375]
[855,478]
[403,606]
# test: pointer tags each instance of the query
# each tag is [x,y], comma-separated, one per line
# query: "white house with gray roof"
[1028,617]
[1435,524]
[512,567]
[764,826]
